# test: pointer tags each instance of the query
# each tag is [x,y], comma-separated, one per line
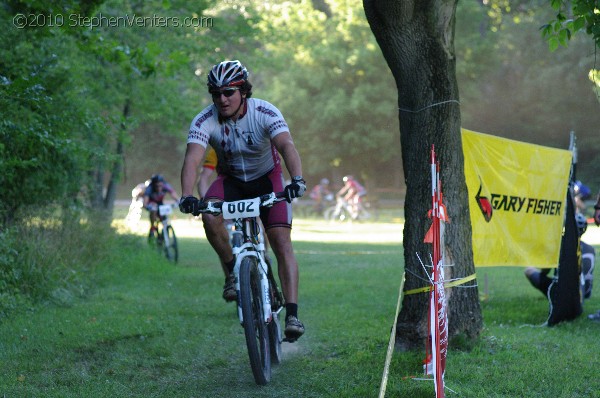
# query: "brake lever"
[270,200]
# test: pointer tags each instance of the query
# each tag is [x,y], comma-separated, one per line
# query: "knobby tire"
[171,251]
[255,329]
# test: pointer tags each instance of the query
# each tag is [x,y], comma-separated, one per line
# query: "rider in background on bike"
[153,197]
[320,194]
[249,135]
[352,192]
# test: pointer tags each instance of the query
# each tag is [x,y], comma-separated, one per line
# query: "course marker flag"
[437,348]
[517,197]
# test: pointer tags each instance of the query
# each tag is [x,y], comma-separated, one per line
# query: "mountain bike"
[165,239]
[259,299]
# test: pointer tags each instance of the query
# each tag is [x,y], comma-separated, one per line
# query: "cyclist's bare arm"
[285,146]
[343,191]
[174,196]
[193,156]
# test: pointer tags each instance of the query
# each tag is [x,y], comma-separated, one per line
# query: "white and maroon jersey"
[243,147]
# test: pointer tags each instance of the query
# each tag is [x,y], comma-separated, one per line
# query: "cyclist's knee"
[211,223]
[280,240]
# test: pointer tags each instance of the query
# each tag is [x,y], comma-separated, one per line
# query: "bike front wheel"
[255,328]
[170,244]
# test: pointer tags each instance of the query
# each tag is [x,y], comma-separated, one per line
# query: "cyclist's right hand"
[190,204]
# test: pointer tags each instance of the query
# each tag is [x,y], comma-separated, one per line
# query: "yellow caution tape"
[446,285]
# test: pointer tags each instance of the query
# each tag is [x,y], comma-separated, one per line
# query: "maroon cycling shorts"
[229,188]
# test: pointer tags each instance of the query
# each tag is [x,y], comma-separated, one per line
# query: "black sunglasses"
[228,92]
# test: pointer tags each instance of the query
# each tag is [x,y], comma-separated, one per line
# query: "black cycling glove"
[295,189]
[189,204]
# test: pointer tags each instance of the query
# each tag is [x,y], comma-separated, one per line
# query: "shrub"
[44,260]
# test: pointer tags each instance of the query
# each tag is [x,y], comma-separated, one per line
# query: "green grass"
[152,329]
[516,355]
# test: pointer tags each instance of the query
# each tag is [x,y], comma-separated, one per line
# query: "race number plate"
[241,209]
[165,210]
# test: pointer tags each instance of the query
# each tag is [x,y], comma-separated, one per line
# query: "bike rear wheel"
[255,328]
[170,244]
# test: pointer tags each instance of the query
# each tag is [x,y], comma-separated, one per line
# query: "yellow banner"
[517,199]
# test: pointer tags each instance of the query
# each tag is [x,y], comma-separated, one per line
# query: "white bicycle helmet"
[227,73]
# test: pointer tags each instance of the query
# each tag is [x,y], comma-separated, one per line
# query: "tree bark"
[417,41]
[117,168]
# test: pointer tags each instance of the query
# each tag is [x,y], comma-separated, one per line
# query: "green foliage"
[44,124]
[512,86]
[594,76]
[46,260]
[333,86]
[572,17]
[72,99]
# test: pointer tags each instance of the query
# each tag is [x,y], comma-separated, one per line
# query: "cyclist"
[352,192]
[248,135]
[320,193]
[153,197]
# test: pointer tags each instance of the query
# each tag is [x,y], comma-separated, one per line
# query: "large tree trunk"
[117,168]
[417,41]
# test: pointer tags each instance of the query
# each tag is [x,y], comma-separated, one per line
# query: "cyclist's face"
[159,186]
[228,106]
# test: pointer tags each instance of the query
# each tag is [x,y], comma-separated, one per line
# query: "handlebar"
[216,208]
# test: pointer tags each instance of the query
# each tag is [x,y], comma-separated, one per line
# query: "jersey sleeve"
[272,119]
[200,127]
[168,188]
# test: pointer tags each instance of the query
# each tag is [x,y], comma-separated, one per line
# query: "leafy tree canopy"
[572,17]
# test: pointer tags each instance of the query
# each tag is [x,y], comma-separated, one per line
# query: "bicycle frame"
[163,212]
[166,241]
[252,246]
[255,285]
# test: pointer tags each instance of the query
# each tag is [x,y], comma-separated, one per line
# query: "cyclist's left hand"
[295,189]
[189,204]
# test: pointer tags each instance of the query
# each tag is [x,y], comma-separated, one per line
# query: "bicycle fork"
[240,253]
[165,234]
